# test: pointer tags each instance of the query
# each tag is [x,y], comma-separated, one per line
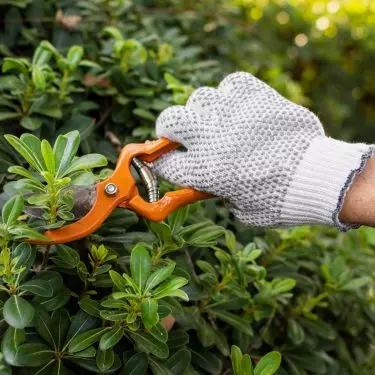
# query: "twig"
[104,117]
[191,265]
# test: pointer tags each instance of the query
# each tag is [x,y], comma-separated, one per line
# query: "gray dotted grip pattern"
[243,142]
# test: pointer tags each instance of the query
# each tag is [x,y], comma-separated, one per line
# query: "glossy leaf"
[150,345]
[12,209]
[12,340]
[38,287]
[65,148]
[111,338]
[149,309]
[136,365]
[86,162]
[140,265]
[179,361]
[268,364]
[34,354]
[17,312]
[86,339]
[105,359]
[159,276]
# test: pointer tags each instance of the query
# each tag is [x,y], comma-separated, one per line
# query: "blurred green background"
[317,53]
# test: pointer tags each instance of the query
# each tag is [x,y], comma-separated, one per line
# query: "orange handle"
[172,200]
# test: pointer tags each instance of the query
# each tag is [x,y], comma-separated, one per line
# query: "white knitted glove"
[266,155]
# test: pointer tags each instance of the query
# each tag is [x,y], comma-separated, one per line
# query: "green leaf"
[159,368]
[74,57]
[80,323]
[90,352]
[113,316]
[17,312]
[241,363]
[38,78]
[24,256]
[111,338]
[25,151]
[38,287]
[149,309]
[159,332]
[113,32]
[65,257]
[295,332]
[65,148]
[9,115]
[247,365]
[43,325]
[268,364]
[233,320]
[14,64]
[144,113]
[51,277]
[21,232]
[140,265]
[113,303]
[87,162]
[356,283]
[207,361]
[86,339]
[34,354]
[90,364]
[11,341]
[319,328]
[21,171]
[118,281]
[150,345]
[48,157]
[179,361]
[159,276]
[91,306]
[177,219]
[136,365]
[169,287]
[43,53]
[12,209]
[177,338]
[206,334]
[60,322]
[207,236]
[11,82]
[105,359]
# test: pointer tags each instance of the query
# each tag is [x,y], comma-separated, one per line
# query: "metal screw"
[111,189]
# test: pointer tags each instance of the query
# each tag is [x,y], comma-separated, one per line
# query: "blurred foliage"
[88,76]
[317,53]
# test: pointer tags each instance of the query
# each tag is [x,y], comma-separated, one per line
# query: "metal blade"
[84,197]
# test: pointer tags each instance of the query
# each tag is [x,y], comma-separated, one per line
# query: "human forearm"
[359,203]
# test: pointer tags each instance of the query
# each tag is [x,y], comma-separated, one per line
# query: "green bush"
[195,294]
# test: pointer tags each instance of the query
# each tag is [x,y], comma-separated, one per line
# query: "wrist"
[320,183]
[359,203]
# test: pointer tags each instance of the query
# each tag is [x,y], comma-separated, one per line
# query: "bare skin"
[359,203]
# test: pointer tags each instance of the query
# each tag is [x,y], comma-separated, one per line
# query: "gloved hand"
[266,155]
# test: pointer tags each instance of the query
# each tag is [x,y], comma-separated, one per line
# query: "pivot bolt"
[111,189]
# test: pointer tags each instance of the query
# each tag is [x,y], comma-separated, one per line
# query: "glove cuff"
[317,190]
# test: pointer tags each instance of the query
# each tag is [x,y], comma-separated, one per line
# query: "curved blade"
[83,196]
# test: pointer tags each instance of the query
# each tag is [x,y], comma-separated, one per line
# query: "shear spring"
[148,178]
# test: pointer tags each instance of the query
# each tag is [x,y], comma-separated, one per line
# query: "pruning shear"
[120,190]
